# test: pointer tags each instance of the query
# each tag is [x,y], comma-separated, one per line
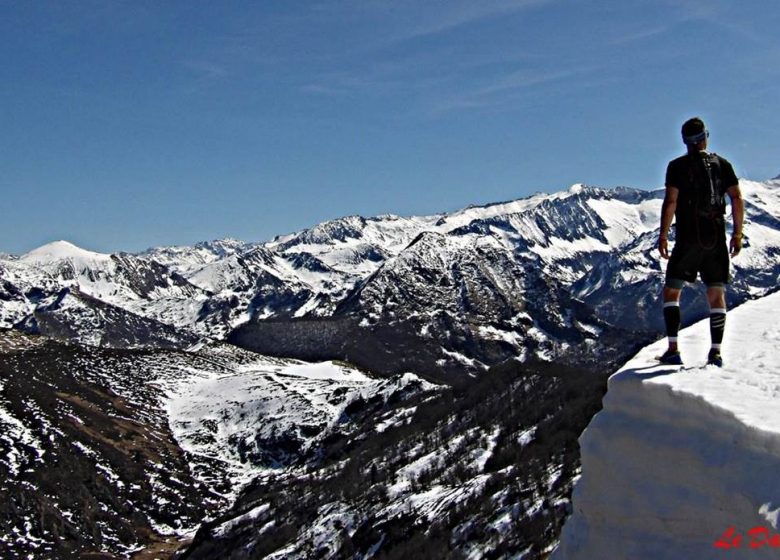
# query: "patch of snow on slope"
[624,221]
[263,413]
[558,248]
[468,215]
[15,437]
[251,515]
[325,371]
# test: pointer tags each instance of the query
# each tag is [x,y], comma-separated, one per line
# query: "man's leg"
[683,267]
[716,296]
[672,316]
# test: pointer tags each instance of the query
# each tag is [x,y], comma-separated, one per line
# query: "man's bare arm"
[738,219]
[667,214]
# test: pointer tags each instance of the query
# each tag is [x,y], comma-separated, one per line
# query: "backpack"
[706,194]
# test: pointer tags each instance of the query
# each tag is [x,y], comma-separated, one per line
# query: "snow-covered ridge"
[595,244]
[213,287]
[678,456]
[185,259]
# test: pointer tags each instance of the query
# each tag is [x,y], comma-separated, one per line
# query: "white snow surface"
[63,250]
[624,220]
[20,440]
[260,402]
[185,259]
[679,455]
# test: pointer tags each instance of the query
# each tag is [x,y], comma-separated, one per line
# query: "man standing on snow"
[696,185]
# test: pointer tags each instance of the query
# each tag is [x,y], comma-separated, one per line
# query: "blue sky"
[133,124]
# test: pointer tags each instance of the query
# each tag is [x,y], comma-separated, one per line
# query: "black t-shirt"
[700,202]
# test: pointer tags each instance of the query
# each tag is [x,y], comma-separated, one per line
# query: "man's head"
[695,134]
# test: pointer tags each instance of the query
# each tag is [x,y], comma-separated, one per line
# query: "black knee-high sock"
[717,326]
[672,319]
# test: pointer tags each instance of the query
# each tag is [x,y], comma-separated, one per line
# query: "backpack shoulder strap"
[715,162]
[716,181]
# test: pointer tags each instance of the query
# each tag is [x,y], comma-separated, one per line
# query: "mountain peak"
[224,242]
[58,250]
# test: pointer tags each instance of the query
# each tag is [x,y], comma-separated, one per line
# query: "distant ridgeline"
[571,277]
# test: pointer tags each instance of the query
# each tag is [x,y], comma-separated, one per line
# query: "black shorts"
[687,261]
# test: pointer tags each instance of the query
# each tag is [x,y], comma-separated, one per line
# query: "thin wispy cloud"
[412,72]
[205,69]
[748,31]
[449,16]
[375,53]
[726,15]
[522,80]
[505,90]
[644,34]
[672,17]
[699,9]
[395,22]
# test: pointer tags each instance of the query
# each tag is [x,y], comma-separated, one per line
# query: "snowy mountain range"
[552,277]
[475,347]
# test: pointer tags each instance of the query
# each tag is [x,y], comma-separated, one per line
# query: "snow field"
[680,454]
[217,415]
